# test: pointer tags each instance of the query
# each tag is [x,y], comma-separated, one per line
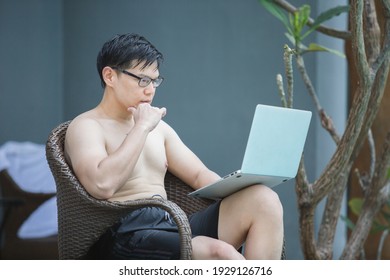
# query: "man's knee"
[222,251]
[261,194]
[209,248]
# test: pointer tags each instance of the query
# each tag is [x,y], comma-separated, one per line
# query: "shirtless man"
[121,150]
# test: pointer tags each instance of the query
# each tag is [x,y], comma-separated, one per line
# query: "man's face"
[131,84]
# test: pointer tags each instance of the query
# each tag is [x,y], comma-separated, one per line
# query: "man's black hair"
[127,51]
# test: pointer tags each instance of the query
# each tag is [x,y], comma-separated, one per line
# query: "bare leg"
[207,248]
[256,215]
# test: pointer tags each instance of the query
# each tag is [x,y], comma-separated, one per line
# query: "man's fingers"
[132,109]
[163,111]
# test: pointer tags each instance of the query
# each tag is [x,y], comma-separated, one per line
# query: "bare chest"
[152,159]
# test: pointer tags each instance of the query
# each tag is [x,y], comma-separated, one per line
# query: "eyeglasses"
[142,81]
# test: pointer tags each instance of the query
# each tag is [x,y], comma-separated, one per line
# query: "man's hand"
[147,116]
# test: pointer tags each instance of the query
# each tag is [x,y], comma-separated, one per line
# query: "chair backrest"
[82,218]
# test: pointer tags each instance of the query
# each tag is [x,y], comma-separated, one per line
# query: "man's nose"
[150,89]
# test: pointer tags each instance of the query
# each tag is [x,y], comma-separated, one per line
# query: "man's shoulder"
[83,118]
[167,130]
[84,122]
[165,127]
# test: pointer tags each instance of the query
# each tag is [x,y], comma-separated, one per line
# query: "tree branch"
[330,218]
[384,235]
[386,6]
[372,37]
[289,75]
[382,165]
[326,121]
[282,95]
[378,90]
[376,196]
[322,28]
[372,63]
[339,162]
[359,51]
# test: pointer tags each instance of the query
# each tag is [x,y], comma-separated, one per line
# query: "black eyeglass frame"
[145,80]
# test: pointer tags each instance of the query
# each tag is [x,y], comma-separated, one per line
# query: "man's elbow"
[205,177]
[101,191]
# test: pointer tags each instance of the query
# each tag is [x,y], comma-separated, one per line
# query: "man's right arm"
[102,174]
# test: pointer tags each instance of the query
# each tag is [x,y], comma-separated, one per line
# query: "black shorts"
[151,233]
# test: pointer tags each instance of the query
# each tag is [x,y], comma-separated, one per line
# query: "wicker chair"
[82,218]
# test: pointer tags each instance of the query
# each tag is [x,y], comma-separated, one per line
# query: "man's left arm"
[184,164]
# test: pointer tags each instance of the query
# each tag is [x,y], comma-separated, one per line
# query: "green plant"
[371,55]
[380,224]
[296,25]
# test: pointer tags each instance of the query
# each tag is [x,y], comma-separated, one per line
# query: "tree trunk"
[379,129]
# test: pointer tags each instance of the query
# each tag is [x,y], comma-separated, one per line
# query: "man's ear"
[109,75]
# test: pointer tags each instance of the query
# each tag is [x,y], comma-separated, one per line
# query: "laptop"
[272,155]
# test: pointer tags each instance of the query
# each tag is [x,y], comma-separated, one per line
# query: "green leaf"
[355,204]
[348,222]
[304,15]
[326,16]
[298,20]
[291,29]
[330,14]
[386,215]
[277,12]
[293,41]
[388,174]
[313,47]
[376,227]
